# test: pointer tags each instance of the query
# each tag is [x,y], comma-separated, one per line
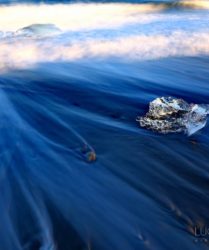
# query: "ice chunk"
[172,115]
[38,30]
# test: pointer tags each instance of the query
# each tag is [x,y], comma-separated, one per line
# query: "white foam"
[25,52]
[122,41]
[77,16]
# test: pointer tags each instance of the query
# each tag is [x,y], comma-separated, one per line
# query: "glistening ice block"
[171,115]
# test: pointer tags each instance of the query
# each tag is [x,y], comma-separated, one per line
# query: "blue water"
[144,191]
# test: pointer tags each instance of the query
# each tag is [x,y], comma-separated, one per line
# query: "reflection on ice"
[170,115]
[38,30]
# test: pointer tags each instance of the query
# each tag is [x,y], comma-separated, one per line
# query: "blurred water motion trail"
[144,190]
[76,170]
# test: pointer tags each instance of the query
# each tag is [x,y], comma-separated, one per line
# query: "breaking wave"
[23,53]
[129,32]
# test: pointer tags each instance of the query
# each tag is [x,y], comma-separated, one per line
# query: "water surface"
[79,91]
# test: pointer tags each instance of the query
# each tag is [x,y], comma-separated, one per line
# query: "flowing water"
[71,88]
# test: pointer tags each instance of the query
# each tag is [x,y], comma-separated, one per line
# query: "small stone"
[193,142]
[91,156]
[88,153]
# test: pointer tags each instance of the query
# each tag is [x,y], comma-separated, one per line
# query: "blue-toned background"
[71,86]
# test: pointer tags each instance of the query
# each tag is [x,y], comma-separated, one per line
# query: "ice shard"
[172,115]
[37,30]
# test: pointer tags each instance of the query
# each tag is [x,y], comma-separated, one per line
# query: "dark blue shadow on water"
[144,191]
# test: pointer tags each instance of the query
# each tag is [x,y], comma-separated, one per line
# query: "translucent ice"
[38,30]
[170,115]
